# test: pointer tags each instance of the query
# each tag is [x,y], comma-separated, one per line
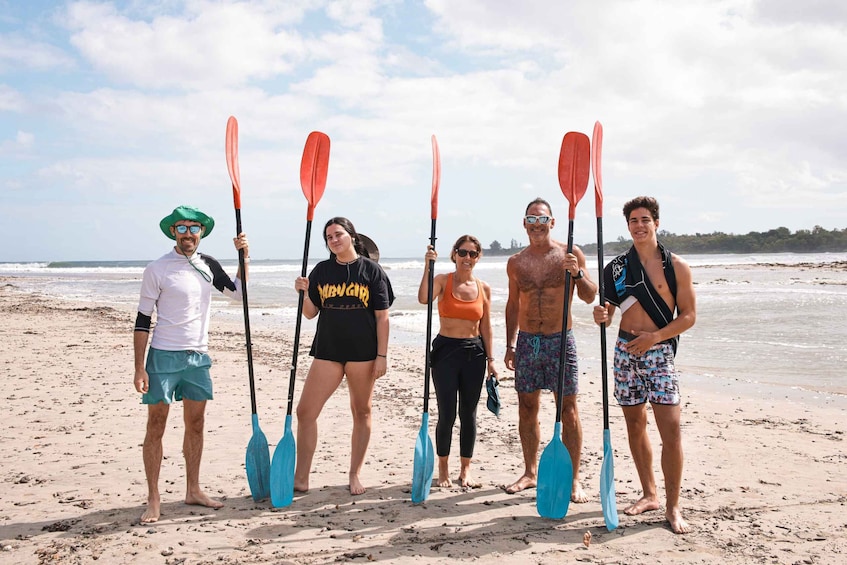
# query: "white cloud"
[212,45]
[25,139]
[18,147]
[10,99]
[811,11]
[731,112]
[19,54]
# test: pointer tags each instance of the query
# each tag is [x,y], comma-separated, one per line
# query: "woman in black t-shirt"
[350,294]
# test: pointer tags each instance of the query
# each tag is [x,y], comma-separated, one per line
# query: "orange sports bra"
[451,307]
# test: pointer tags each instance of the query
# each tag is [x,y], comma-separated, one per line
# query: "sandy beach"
[764,481]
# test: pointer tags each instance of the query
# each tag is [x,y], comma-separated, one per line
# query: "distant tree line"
[779,240]
[497,249]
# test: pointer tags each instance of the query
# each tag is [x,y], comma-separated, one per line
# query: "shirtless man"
[534,336]
[648,283]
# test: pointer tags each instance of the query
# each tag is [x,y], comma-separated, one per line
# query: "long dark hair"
[347,225]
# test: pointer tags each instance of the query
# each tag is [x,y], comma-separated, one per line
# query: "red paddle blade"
[232,159]
[596,155]
[436,177]
[313,169]
[574,168]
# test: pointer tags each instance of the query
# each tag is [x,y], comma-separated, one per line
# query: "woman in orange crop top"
[461,352]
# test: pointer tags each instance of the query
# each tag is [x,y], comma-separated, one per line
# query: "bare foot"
[678,524]
[152,513]
[644,504]
[577,494]
[356,486]
[301,486]
[444,472]
[469,482]
[524,482]
[200,499]
[465,478]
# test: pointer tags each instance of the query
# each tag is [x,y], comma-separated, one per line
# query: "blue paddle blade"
[607,483]
[282,468]
[258,463]
[424,464]
[555,478]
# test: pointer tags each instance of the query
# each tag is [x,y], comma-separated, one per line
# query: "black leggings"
[458,368]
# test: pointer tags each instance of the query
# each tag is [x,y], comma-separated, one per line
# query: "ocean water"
[767,320]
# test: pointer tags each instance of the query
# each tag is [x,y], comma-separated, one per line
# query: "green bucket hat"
[186,213]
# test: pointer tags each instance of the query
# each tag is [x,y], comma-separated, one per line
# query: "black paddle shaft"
[602,296]
[246,314]
[429,320]
[560,386]
[299,321]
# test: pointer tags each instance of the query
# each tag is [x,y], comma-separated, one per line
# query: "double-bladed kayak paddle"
[424,462]
[555,470]
[313,170]
[257,459]
[607,470]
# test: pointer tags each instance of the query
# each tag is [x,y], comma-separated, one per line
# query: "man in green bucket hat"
[190,215]
[178,287]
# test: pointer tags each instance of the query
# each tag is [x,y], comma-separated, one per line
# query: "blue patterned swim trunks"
[649,377]
[537,363]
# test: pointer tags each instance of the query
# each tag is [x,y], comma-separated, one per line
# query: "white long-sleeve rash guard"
[175,287]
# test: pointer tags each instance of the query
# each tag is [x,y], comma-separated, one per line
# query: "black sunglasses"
[466,252]
[183,229]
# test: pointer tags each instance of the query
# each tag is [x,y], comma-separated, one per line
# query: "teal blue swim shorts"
[175,375]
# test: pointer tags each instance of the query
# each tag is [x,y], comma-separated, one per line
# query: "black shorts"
[362,348]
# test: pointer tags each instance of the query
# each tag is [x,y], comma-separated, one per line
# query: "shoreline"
[794,351]
[764,479]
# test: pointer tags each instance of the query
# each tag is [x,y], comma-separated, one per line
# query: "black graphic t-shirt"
[346,297]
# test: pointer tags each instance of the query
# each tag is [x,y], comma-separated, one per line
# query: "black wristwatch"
[579,274]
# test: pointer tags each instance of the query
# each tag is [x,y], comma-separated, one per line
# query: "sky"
[732,113]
